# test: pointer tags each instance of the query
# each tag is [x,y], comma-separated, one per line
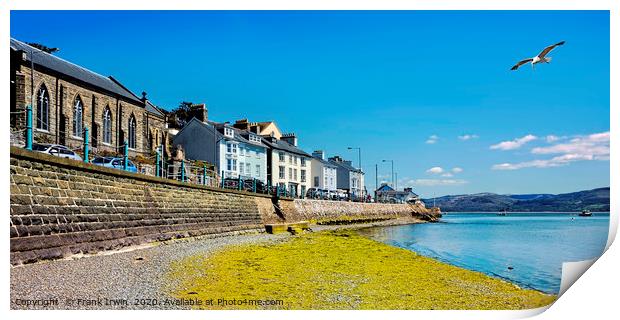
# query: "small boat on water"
[502,213]
[585,213]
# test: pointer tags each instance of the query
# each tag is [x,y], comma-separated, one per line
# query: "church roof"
[72,70]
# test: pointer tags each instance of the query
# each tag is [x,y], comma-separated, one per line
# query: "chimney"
[200,112]
[319,154]
[242,124]
[336,159]
[291,138]
[144,99]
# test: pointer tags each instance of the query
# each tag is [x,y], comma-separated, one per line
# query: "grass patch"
[342,270]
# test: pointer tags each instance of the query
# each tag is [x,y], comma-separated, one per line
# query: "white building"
[324,173]
[236,153]
[350,179]
[290,167]
[242,154]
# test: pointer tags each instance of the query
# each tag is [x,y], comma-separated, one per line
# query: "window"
[229,132]
[258,170]
[43,108]
[78,110]
[303,175]
[241,167]
[254,138]
[295,160]
[231,147]
[107,125]
[248,168]
[281,155]
[290,159]
[231,164]
[325,182]
[294,174]
[281,175]
[316,182]
[303,161]
[132,132]
[290,173]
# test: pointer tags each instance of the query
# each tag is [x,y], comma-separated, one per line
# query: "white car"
[56,150]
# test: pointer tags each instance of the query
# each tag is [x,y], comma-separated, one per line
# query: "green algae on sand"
[341,270]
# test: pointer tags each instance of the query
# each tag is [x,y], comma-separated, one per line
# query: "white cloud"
[432,139]
[436,182]
[595,145]
[581,148]
[514,144]
[457,170]
[466,137]
[447,175]
[552,138]
[435,170]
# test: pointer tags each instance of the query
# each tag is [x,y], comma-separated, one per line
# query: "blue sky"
[431,90]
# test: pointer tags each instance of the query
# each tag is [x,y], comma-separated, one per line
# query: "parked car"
[116,163]
[56,150]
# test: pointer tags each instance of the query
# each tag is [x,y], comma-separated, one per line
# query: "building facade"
[234,152]
[387,194]
[350,179]
[66,99]
[289,167]
[324,173]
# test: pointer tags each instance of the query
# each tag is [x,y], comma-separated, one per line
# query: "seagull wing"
[520,63]
[549,48]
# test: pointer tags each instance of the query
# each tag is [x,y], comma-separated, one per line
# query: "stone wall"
[322,210]
[63,93]
[61,207]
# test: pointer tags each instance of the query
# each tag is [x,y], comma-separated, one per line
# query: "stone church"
[67,98]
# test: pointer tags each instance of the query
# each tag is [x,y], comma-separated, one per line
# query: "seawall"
[61,207]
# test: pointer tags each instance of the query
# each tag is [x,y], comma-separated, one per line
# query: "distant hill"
[593,200]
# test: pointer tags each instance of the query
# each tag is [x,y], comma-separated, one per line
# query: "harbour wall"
[61,207]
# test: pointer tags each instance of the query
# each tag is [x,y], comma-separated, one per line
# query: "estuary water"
[527,249]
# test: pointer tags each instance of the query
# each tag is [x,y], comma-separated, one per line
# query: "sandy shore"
[134,273]
[154,277]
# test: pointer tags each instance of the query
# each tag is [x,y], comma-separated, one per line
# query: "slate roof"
[238,134]
[325,162]
[345,166]
[284,146]
[153,109]
[67,68]
[385,187]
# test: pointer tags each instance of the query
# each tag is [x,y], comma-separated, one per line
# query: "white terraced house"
[288,166]
[236,153]
[324,173]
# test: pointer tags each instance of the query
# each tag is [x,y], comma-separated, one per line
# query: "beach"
[332,267]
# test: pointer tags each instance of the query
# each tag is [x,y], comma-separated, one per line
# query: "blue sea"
[527,249]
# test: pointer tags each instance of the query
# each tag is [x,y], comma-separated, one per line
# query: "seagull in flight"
[541,57]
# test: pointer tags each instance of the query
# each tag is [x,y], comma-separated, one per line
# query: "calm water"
[533,244]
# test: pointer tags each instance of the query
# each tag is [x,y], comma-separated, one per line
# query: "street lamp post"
[392,161]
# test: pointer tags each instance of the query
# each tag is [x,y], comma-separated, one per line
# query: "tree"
[43,47]
[180,115]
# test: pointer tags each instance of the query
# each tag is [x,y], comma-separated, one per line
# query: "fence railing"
[184,170]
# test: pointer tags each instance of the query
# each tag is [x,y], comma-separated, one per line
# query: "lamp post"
[392,161]
[376,180]
[396,180]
